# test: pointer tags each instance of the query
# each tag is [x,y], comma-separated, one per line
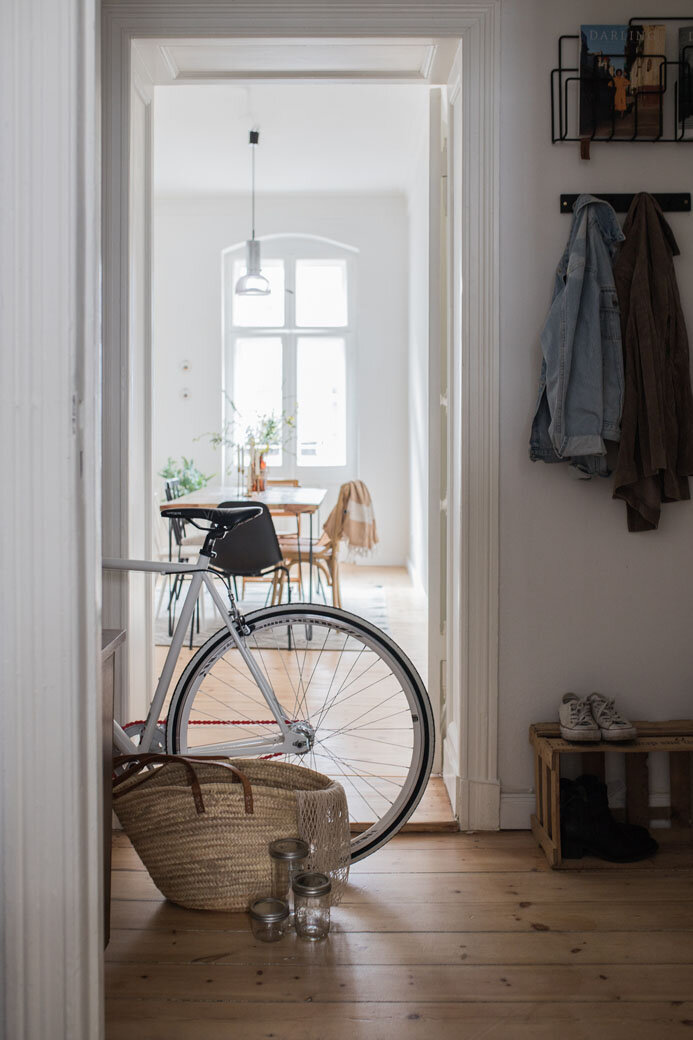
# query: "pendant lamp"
[253,282]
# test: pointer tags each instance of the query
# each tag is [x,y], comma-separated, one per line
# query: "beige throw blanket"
[352,520]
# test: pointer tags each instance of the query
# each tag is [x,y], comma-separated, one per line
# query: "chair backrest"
[160,529]
[249,549]
[174,490]
[279,512]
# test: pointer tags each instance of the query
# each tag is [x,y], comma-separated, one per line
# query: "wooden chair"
[325,552]
[325,560]
[278,513]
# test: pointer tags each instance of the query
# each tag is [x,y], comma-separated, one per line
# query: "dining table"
[280,499]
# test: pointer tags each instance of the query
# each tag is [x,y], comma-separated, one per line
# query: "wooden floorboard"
[439,936]
[413,1020]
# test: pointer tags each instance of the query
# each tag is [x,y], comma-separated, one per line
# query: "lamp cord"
[252,149]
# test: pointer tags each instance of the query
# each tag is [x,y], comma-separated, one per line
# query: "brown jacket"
[656,450]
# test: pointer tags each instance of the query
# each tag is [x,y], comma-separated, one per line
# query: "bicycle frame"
[285,743]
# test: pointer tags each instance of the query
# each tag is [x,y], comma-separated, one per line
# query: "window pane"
[260,311]
[257,390]
[321,293]
[321,400]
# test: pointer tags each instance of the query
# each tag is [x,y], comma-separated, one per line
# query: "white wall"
[418,366]
[189,235]
[584,604]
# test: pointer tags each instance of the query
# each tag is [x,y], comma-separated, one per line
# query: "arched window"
[290,355]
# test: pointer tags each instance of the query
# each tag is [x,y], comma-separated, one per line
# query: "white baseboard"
[517,808]
[415,577]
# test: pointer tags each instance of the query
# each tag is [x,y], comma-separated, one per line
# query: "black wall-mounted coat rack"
[673,202]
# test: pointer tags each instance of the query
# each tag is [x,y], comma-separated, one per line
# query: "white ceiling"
[314,136]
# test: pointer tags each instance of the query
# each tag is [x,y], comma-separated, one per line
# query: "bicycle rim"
[360,697]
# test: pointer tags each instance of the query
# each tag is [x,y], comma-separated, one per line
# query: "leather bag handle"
[187,761]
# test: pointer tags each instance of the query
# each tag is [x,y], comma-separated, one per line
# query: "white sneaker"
[576,720]
[612,724]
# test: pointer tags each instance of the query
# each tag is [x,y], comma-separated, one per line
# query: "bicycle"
[312,683]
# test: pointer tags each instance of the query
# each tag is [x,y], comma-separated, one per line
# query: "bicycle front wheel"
[344,683]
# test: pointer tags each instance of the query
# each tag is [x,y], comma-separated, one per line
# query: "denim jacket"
[581,383]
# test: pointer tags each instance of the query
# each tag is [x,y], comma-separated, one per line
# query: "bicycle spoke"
[353,665]
[364,713]
[375,740]
[359,793]
[339,661]
[377,776]
[301,681]
[355,693]
[322,649]
[374,722]
[245,718]
[342,700]
[217,678]
[363,778]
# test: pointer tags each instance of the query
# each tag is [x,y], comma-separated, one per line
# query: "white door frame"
[51,931]
[472,624]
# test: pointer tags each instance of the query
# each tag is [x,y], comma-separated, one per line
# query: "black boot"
[587,826]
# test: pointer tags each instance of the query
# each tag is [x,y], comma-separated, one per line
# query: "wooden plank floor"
[445,936]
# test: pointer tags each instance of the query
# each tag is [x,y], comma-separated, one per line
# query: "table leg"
[310,561]
[300,569]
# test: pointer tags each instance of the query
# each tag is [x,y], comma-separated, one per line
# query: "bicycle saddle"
[226,518]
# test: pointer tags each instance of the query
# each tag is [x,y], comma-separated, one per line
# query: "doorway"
[466,671]
[344,169]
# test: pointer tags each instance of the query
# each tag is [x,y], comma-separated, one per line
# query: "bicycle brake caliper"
[239,620]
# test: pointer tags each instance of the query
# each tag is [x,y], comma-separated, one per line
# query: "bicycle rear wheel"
[347,684]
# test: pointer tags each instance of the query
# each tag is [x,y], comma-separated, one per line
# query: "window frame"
[289,249]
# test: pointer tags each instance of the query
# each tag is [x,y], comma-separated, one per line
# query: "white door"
[437,411]
[140,638]
[452,561]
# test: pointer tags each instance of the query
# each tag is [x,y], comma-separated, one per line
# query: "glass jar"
[288,857]
[312,906]
[268,917]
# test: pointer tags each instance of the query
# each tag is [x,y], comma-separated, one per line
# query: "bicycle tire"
[411,761]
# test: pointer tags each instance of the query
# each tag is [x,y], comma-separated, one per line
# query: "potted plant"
[189,477]
[254,444]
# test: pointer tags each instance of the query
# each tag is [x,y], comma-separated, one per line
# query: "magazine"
[621,80]
[686,76]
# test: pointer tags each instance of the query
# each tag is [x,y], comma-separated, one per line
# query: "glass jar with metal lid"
[288,857]
[268,918]
[312,906]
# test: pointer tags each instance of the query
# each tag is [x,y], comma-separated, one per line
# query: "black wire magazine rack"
[577,107]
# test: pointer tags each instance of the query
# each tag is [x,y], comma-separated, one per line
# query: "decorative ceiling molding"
[227,60]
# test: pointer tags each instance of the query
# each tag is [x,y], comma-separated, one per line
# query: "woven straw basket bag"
[202,827]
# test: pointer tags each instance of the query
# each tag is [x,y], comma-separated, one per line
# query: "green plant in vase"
[248,451]
[189,477]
